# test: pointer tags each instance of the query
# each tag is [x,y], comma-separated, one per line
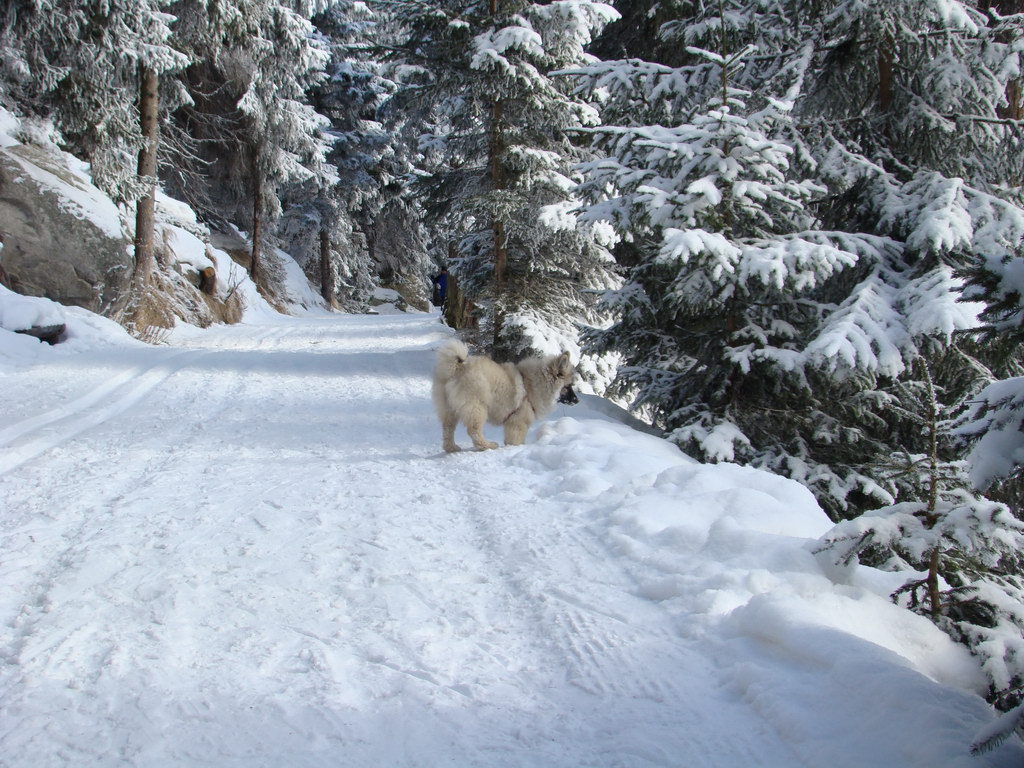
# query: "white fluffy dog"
[474,389]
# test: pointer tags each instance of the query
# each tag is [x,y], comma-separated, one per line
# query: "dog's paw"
[485,445]
[451,448]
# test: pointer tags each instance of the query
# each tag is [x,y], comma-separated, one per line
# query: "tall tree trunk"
[931,516]
[145,208]
[498,183]
[885,75]
[458,310]
[934,591]
[255,264]
[1015,100]
[326,273]
[1014,109]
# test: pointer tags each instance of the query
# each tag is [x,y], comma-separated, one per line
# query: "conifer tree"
[993,422]
[95,69]
[900,168]
[83,64]
[250,112]
[934,166]
[968,548]
[494,129]
[325,213]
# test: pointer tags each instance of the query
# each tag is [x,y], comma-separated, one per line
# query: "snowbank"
[17,312]
[84,330]
[9,126]
[728,550]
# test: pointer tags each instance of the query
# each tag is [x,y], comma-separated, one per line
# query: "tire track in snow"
[272,559]
[30,438]
[631,671]
[209,540]
[50,636]
[529,616]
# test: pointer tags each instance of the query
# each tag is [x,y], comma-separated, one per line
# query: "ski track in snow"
[248,550]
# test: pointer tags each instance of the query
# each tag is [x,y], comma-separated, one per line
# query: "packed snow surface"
[246,548]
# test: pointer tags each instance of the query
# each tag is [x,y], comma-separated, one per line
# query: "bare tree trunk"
[458,310]
[931,518]
[1014,109]
[256,265]
[885,75]
[326,273]
[145,208]
[934,593]
[1015,100]
[498,182]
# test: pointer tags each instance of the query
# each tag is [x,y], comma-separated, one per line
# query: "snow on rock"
[298,290]
[16,348]
[18,313]
[184,238]
[72,247]
[84,330]
[67,179]
[9,126]
[387,301]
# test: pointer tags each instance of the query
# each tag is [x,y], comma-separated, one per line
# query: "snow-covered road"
[246,549]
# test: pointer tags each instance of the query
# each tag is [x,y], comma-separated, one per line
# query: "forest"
[789,233]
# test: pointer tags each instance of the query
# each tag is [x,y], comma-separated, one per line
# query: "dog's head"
[568,395]
[564,375]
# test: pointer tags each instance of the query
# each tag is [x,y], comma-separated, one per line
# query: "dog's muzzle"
[568,395]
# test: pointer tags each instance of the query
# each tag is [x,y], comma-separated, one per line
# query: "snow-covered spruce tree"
[495,131]
[931,164]
[82,65]
[999,731]
[386,240]
[250,113]
[993,422]
[807,388]
[963,554]
[324,228]
[636,34]
[732,271]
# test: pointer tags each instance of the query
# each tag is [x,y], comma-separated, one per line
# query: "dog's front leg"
[515,432]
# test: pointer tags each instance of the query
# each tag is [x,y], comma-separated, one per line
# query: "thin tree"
[145,206]
[968,548]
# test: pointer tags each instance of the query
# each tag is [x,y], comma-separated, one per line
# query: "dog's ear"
[562,366]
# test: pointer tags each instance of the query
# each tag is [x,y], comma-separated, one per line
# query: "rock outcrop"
[62,236]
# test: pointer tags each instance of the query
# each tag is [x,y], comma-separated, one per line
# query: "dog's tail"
[450,356]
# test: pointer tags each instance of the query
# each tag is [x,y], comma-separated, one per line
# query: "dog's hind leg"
[449,420]
[474,419]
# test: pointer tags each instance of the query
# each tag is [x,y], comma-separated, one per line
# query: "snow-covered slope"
[246,549]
